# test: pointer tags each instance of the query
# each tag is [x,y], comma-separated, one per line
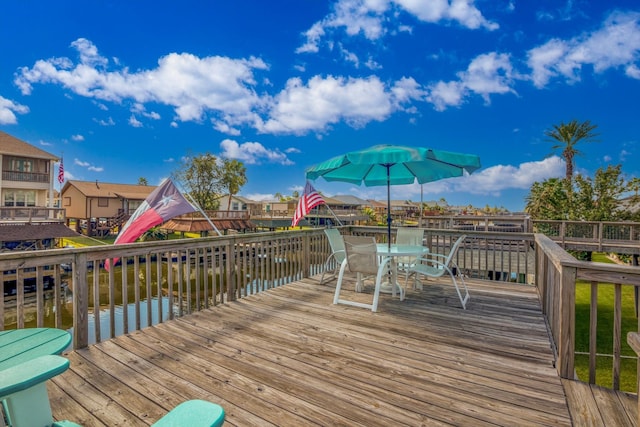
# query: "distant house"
[29,218]
[238,203]
[100,208]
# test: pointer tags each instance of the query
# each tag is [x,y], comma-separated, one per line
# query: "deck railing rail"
[557,274]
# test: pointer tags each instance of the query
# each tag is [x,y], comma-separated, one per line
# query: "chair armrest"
[28,374]
[195,413]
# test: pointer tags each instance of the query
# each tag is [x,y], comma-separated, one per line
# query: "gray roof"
[350,200]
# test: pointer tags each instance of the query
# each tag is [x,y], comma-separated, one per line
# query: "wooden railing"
[184,275]
[596,236]
[25,176]
[30,214]
[504,256]
[557,276]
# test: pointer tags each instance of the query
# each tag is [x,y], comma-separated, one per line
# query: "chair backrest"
[361,254]
[410,236]
[455,248]
[337,243]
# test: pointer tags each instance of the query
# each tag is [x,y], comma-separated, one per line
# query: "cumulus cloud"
[193,86]
[8,110]
[77,137]
[322,102]
[487,74]
[252,153]
[372,19]
[615,44]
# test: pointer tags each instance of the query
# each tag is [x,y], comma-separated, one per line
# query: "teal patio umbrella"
[394,165]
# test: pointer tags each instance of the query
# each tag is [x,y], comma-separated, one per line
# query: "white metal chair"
[408,236]
[362,259]
[437,265]
[334,261]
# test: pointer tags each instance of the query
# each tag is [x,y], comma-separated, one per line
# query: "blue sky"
[126,89]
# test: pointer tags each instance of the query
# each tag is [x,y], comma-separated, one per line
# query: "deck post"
[230,267]
[633,339]
[306,254]
[80,302]
[567,327]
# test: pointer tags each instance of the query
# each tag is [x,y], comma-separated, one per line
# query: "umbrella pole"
[388,207]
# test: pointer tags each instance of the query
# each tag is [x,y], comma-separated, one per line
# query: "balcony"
[31,214]
[25,176]
[241,320]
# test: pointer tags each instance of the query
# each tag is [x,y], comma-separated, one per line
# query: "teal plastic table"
[28,358]
[22,345]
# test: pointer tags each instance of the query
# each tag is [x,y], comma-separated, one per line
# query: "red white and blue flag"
[61,172]
[309,200]
[164,203]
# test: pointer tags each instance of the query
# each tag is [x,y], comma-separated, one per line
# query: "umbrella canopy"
[394,165]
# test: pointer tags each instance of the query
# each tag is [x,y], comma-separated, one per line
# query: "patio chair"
[362,259]
[334,261]
[437,265]
[408,236]
[24,400]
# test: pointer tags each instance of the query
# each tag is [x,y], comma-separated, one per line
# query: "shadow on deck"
[288,357]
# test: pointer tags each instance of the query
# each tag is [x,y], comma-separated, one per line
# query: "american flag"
[309,200]
[61,172]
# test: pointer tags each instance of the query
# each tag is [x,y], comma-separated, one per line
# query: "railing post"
[80,302]
[633,339]
[567,326]
[230,267]
[306,256]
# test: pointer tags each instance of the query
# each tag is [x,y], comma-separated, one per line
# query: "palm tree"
[233,177]
[567,136]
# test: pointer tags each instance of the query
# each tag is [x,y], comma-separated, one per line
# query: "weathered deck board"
[288,357]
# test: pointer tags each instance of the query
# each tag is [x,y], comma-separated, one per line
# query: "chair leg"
[336,295]
[465,299]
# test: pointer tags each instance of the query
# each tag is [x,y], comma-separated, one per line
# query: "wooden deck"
[288,357]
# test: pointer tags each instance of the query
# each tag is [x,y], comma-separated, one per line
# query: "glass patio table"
[395,251]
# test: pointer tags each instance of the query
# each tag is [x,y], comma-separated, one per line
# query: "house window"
[67,201]
[235,206]
[133,205]
[19,198]
[103,202]
[21,165]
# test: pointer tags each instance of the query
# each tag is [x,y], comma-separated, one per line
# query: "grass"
[604,338]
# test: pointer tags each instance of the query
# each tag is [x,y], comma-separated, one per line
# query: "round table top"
[401,250]
[22,345]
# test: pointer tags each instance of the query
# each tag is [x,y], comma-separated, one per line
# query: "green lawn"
[605,332]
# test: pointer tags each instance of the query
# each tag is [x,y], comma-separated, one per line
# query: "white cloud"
[45,143]
[108,122]
[615,44]
[258,197]
[8,110]
[321,102]
[134,122]
[252,153]
[373,19]
[487,74]
[77,137]
[87,165]
[193,86]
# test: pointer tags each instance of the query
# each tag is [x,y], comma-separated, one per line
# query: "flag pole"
[197,206]
[334,215]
